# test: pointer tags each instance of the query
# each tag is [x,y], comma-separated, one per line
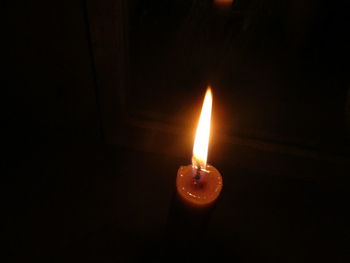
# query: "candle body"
[191,209]
[198,194]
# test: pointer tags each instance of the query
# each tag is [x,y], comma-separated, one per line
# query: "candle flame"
[201,141]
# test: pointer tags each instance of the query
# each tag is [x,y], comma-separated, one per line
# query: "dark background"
[100,106]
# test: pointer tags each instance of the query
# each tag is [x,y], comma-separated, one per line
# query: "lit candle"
[199,185]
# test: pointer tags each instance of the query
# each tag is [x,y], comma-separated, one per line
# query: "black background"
[80,187]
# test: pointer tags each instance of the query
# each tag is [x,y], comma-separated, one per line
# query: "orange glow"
[223,2]
[201,141]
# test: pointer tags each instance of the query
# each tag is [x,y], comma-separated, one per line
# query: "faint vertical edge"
[107,23]
[93,68]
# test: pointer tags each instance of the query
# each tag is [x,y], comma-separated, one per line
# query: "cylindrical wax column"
[193,202]
[200,193]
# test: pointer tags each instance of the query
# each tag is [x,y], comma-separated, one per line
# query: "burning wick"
[198,173]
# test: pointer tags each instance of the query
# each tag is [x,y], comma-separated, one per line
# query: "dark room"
[176,131]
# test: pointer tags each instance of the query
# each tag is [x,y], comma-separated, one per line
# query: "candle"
[199,185]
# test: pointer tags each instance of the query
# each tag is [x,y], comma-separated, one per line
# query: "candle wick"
[198,175]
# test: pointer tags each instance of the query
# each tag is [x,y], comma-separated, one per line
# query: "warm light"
[223,2]
[201,141]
